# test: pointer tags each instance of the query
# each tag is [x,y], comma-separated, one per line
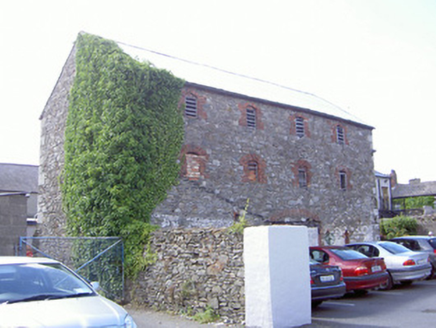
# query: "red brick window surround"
[299,126]
[251,116]
[253,168]
[302,174]
[339,134]
[194,160]
[343,176]
[193,104]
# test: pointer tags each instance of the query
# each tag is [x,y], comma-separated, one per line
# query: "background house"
[298,158]
[18,204]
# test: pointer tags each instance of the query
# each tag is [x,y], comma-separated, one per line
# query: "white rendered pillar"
[277,277]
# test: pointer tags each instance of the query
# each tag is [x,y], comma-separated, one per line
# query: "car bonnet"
[93,311]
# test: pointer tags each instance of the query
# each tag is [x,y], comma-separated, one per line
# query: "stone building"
[292,157]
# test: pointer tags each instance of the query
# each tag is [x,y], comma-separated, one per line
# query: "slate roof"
[414,189]
[18,178]
[205,75]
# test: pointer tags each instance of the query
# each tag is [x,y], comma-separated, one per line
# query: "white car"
[404,266]
[40,292]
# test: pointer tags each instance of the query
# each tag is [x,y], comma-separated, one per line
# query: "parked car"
[404,266]
[420,244]
[360,272]
[326,282]
[40,292]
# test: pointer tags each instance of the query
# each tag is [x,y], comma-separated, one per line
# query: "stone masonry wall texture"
[214,199]
[195,268]
[224,143]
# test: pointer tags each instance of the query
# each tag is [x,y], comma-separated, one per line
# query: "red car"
[360,272]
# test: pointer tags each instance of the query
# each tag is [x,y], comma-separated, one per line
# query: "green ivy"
[123,135]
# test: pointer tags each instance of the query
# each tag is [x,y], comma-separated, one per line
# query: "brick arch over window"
[337,138]
[302,164]
[342,171]
[293,130]
[194,160]
[200,100]
[296,216]
[258,114]
[247,163]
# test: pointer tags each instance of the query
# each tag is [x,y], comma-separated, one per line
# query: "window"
[252,171]
[253,167]
[299,127]
[190,106]
[302,177]
[194,161]
[340,136]
[251,117]
[343,180]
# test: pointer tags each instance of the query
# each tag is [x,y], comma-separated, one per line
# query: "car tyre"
[432,273]
[388,285]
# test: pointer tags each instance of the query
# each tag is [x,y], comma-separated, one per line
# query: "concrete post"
[277,277]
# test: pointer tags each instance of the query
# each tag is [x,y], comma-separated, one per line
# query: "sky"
[376,59]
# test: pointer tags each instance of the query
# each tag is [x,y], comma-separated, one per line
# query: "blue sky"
[374,58]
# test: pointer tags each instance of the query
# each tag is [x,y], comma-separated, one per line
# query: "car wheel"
[360,292]
[315,304]
[432,273]
[388,284]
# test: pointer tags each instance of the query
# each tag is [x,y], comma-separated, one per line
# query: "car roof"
[5,260]
[366,242]
[414,237]
[328,246]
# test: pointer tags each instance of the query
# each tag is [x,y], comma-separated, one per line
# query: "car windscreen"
[37,281]
[348,254]
[394,248]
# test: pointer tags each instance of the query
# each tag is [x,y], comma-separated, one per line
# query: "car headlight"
[129,322]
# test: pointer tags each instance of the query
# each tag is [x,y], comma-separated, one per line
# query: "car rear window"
[348,254]
[432,242]
[394,248]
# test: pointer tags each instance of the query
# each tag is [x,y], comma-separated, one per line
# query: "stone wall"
[223,145]
[53,120]
[13,225]
[195,268]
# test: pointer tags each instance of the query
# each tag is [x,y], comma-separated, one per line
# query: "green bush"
[398,226]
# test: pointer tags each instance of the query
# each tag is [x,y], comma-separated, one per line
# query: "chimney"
[414,181]
[393,178]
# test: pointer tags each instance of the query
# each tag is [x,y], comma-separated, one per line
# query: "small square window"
[191,106]
[299,127]
[302,177]
[340,136]
[252,171]
[251,117]
[343,180]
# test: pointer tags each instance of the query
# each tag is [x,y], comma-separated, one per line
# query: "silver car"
[404,266]
[39,292]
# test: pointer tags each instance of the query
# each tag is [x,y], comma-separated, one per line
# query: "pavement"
[148,318]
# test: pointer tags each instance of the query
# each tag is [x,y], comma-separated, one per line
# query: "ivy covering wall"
[123,136]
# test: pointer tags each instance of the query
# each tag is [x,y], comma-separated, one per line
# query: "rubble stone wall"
[195,269]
